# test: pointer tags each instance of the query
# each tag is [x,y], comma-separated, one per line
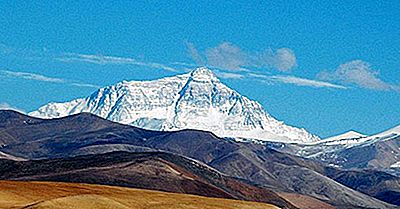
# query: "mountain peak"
[203,74]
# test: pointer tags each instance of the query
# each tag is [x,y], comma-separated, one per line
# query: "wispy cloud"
[99,59]
[85,85]
[229,75]
[43,78]
[274,79]
[185,64]
[105,60]
[4,49]
[286,79]
[257,75]
[194,53]
[96,59]
[6,106]
[31,76]
[358,73]
[303,82]
[228,56]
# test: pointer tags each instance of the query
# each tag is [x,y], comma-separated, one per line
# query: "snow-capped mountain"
[353,138]
[196,100]
[391,133]
[347,138]
[347,135]
[354,150]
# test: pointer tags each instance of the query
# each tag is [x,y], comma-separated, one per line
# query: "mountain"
[259,164]
[353,138]
[393,132]
[150,170]
[196,100]
[379,151]
[374,183]
[347,135]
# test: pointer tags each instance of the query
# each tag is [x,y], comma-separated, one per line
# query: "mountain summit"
[196,100]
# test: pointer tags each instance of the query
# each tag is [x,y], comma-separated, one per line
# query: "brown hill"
[151,170]
[46,195]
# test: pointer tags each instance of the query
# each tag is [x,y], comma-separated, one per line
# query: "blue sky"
[327,66]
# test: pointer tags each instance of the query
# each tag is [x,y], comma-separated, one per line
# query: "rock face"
[196,100]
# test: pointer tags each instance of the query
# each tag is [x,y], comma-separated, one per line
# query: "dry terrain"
[19,194]
[305,202]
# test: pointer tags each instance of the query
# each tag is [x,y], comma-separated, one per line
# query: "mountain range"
[81,148]
[196,100]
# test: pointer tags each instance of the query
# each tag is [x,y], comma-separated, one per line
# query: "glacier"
[195,100]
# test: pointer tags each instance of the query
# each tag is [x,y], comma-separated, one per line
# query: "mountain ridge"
[351,134]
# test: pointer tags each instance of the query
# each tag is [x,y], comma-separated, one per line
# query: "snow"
[332,149]
[353,138]
[196,100]
[396,165]
[391,132]
[347,138]
[10,157]
[347,135]
[383,136]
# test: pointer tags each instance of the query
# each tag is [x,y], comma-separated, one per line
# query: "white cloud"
[38,77]
[256,75]
[304,82]
[359,73]
[185,64]
[194,53]
[105,60]
[282,59]
[229,75]
[228,56]
[156,65]
[6,106]
[98,59]
[31,76]
[86,85]
[270,79]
